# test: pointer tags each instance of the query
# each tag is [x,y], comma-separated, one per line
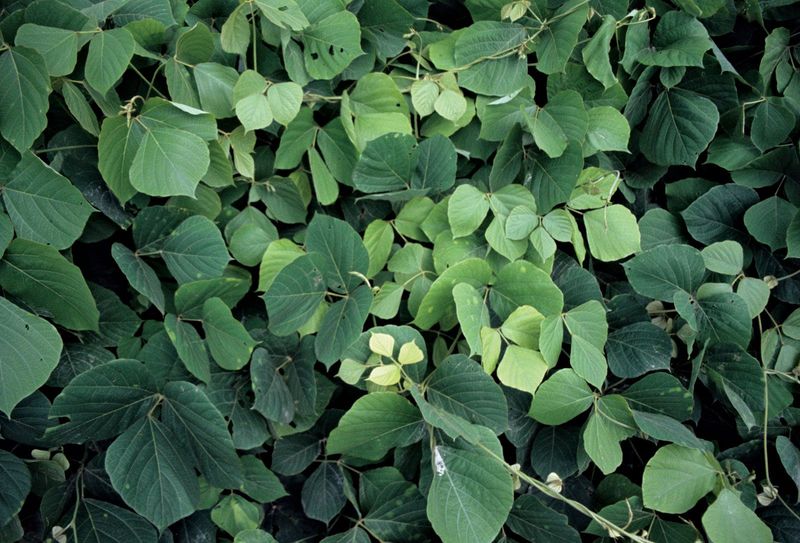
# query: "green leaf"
[259,482]
[664,270]
[58,46]
[375,424]
[725,257]
[521,283]
[215,84]
[466,210]
[228,340]
[43,205]
[17,484]
[553,179]
[561,36]
[679,127]
[472,314]
[151,474]
[772,123]
[330,45]
[676,477]
[295,294]
[48,282]
[723,317]
[342,324]
[460,387]
[561,398]
[470,495]
[679,40]
[254,112]
[190,347]
[728,520]
[790,458]
[283,13]
[342,251]
[169,162]
[609,423]
[24,91]
[110,52]
[612,233]
[438,301]
[191,416]
[116,148]
[80,108]
[97,521]
[717,214]
[534,521]
[323,493]
[104,401]
[139,274]
[768,221]
[637,349]
[195,250]
[595,53]
[29,352]
[386,164]
[664,428]
[608,130]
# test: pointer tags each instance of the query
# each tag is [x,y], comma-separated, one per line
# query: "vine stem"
[611,527]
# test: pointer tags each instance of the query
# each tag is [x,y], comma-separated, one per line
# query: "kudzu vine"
[399,270]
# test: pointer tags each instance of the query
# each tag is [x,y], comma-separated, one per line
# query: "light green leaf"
[612,232]
[110,52]
[676,477]
[325,186]
[522,368]
[279,254]
[116,148]
[215,84]
[466,210]
[285,100]
[725,257]
[234,514]
[254,112]
[561,398]
[29,352]
[44,206]
[152,474]
[438,302]
[47,281]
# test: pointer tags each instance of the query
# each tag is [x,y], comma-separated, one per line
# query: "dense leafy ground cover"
[399,270]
